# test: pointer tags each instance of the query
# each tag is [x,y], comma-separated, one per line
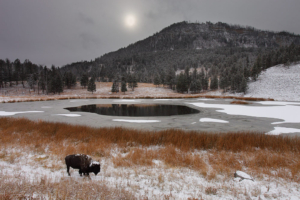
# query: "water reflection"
[135,110]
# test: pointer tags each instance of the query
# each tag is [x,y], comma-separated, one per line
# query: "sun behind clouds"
[130,21]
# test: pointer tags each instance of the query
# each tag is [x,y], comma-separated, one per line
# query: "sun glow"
[130,21]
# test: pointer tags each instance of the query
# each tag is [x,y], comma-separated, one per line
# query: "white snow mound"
[279,82]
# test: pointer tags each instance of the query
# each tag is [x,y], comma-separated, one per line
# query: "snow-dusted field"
[156,182]
[279,82]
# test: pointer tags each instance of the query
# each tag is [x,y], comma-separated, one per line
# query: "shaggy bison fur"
[83,162]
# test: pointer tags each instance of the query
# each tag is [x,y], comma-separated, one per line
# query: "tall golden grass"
[19,188]
[183,140]
[225,152]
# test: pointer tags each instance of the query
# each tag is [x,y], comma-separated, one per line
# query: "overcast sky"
[64,31]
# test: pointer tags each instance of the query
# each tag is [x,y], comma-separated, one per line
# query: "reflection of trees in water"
[135,109]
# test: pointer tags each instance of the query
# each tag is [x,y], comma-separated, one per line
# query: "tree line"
[35,77]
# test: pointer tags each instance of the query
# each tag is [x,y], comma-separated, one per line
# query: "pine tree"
[2,73]
[123,87]
[196,86]
[17,66]
[115,86]
[69,79]
[243,86]
[205,83]
[91,85]
[134,83]
[223,82]
[214,83]
[59,83]
[193,87]
[182,83]
[156,80]
[84,80]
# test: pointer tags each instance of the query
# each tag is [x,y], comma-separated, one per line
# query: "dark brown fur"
[82,162]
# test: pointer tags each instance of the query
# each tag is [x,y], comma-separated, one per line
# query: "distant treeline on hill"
[34,76]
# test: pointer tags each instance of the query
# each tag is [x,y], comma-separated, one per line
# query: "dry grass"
[20,188]
[208,154]
[90,140]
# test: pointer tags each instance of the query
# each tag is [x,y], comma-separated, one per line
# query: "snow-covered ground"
[151,182]
[281,83]
[278,82]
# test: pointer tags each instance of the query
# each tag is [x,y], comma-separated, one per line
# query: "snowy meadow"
[170,164]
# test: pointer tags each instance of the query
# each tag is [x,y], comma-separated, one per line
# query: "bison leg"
[68,169]
[80,172]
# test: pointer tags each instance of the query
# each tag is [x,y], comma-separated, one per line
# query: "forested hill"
[213,47]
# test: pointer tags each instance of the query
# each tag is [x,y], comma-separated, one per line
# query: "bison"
[83,162]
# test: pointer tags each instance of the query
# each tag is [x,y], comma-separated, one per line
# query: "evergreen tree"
[69,80]
[224,82]
[156,80]
[243,86]
[115,86]
[84,80]
[91,85]
[2,73]
[196,86]
[23,73]
[182,83]
[193,87]
[59,83]
[31,81]
[214,83]
[123,87]
[17,69]
[254,72]
[170,77]
[205,83]
[9,71]
[133,82]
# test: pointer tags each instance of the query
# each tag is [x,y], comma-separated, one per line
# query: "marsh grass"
[210,154]
[20,188]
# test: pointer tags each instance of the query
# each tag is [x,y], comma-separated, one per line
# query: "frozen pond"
[213,115]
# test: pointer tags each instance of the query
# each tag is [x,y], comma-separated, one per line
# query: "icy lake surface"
[211,115]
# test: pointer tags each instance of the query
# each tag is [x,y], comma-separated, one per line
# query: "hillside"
[183,45]
[279,82]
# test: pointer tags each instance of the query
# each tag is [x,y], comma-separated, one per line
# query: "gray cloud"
[85,19]
[64,31]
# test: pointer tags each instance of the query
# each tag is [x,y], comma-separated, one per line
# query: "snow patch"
[279,103]
[280,130]
[69,115]
[213,120]
[136,121]
[206,99]
[279,82]
[288,113]
[4,113]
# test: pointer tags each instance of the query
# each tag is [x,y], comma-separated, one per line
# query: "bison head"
[95,167]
